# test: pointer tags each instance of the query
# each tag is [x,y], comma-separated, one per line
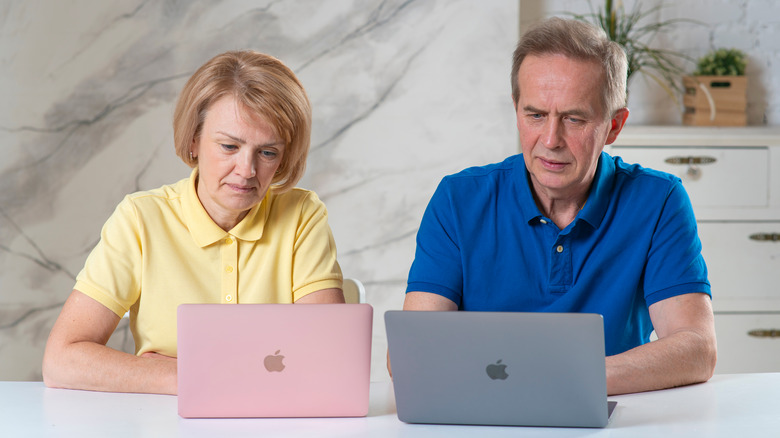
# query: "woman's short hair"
[266,88]
[577,40]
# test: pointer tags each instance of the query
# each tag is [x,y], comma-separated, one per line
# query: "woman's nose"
[246,166]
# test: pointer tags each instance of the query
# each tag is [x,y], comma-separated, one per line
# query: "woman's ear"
[194,149]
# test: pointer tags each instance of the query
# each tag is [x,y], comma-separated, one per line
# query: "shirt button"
[228,240]
[543,221]
[559,248]
[228,298]
[228,269]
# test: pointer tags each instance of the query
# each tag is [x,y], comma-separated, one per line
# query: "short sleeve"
[314,255]
[438,266]
[675,264]
[112,272]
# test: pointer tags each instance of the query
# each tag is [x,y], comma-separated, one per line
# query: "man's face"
[562,125]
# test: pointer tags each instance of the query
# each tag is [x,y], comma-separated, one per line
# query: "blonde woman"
[235,231]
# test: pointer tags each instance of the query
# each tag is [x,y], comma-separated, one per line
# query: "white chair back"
[354,292]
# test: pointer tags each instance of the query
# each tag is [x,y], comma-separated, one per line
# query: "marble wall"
[403,92]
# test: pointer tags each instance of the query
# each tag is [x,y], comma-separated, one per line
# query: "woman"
[235,231]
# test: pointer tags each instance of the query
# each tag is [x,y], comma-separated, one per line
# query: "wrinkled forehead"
[560,76]
[249,113]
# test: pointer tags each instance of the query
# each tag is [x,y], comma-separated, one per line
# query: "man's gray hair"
[577,40]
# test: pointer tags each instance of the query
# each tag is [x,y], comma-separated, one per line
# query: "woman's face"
[238,154]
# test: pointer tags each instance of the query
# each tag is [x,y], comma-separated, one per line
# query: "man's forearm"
[682,358]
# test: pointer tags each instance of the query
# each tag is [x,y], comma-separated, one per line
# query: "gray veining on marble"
[403,92]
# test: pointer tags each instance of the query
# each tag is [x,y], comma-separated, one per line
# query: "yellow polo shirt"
[160,249]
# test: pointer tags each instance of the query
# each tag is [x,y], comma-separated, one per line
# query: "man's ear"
[616,124]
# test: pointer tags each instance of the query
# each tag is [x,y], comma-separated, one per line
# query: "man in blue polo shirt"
[564,227]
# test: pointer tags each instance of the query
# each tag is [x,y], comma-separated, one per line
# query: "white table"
[737,405]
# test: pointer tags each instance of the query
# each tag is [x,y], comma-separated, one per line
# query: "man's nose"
[551,137]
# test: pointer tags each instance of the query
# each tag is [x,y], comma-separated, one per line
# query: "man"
[564,227]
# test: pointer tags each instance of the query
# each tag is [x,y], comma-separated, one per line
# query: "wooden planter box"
[729,100]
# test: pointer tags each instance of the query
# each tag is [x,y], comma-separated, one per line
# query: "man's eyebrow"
[572,112]
[577,112]
[531,109]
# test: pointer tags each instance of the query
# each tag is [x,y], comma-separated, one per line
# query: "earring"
[191,157]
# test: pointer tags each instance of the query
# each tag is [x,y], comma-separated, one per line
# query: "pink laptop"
[274,360]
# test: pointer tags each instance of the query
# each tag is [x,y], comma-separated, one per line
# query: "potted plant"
[634,31]
[716,93]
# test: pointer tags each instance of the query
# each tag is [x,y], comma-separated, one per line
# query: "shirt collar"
[600,192]
[527,203]
[596,206]
[206,232]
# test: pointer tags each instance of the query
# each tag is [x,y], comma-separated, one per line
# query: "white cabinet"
[732,176]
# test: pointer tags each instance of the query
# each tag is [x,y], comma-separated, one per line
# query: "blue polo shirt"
[484,244]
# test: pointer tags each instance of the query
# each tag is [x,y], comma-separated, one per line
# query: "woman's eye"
[229,147]
[268,154]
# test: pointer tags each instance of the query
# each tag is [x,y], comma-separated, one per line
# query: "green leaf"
[722,62]
[634,31]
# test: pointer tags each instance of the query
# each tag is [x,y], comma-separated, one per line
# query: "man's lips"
[552,164]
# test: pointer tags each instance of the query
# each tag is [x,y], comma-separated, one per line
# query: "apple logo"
[497,370]
[274,362]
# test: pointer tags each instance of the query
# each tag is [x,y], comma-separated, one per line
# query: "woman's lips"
[241,189]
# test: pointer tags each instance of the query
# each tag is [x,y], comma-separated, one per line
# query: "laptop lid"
[495,368]
[273,360]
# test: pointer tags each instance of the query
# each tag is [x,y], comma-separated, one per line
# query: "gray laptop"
[496,368]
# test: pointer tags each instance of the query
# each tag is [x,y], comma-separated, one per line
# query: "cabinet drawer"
[739,351]
[713,177]
[742,268]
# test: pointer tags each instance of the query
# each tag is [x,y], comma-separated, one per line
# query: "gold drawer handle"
[770,333]
[691,160]
[765,237]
